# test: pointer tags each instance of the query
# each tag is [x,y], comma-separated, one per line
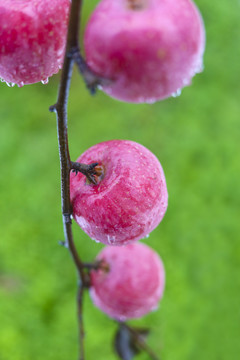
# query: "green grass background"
[196,137]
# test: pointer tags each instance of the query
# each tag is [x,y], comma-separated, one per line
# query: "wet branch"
[60,108]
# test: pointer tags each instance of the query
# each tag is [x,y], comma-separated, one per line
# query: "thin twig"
[65,163]
[61,110]
[140,341]
[97,265]
[92,80]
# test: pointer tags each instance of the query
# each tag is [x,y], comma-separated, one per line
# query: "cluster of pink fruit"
[127,203]
[148,50]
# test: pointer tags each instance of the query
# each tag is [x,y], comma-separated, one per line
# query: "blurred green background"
[196,138]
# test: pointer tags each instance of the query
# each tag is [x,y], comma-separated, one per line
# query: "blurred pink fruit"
[32,39]
[130,198]
[132,285]
[149,48]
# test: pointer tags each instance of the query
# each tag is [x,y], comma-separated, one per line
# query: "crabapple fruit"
[130,282]
[149,49]
[130,198]
[32,39]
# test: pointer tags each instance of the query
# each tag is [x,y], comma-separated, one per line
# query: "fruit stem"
[139,340]
[93,172]
[88,170]
[97,265]
[91,79]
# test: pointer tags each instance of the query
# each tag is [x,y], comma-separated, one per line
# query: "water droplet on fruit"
[111,239]
[156,307]
[10,84]
[121,318]
[21,84]
[150,101]
[44,81]
[199,68]
[177,93]
[185,82]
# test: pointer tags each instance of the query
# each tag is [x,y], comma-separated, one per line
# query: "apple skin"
[150,49]
[130,200]
[32,39]
[132,285]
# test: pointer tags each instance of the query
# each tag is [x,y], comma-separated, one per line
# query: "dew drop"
[199,68]
[147,236]
[177,93]
[21,84]
[10,84]
[44,81]
[155,308]
[111,239]
[141,99]
[150,101]
[121,318]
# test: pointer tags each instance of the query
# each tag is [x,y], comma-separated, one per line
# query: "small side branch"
[91,80]
[139,340]
[88,170]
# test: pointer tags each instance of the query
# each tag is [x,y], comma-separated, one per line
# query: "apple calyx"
[94,172]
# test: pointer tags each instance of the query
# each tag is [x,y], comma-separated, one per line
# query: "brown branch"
[60,108]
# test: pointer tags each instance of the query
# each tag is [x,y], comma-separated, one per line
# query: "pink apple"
[32,39]
[149,48]
[130,198]
[131,283]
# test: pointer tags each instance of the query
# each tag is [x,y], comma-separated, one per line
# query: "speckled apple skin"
[32,39]
[133,285]
[150,52]
[131,199]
